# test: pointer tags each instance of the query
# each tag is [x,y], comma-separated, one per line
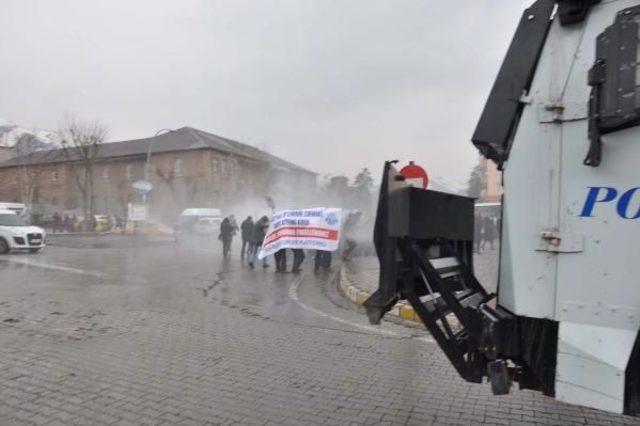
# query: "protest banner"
[313,229]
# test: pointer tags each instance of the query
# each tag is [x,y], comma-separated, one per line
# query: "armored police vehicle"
[563,123]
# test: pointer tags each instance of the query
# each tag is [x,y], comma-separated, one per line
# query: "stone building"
[188,168]
[492,192]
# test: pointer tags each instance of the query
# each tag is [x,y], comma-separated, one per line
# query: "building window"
[215,166]
[105,173]
[223,167]
[129,171]
[16,180]
[55,173]
[178,167]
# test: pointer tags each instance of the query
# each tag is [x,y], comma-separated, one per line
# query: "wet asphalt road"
[165,334]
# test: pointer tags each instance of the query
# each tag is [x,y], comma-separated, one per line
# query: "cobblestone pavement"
[174,335]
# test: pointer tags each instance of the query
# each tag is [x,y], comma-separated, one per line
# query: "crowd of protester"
[486,232]
[252,235]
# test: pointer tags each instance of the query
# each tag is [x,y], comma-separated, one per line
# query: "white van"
[16,234]
[17,208]
[199,221]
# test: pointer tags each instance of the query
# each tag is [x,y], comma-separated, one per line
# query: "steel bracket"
[560,242]
[557,112]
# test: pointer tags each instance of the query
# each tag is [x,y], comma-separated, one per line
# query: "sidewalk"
[359,279]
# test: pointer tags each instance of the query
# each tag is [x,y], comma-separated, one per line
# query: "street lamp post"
[147,163]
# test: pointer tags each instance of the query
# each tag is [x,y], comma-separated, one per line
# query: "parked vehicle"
[101,223]
[17,234]
[207,225]
[17,208]
[195,219]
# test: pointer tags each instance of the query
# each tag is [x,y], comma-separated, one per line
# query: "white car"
[208,225]
[16,234]
[200,221]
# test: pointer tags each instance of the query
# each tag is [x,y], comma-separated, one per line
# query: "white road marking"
[293,293]
[51,266]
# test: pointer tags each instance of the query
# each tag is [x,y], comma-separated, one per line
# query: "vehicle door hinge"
[557,112]
[560,242]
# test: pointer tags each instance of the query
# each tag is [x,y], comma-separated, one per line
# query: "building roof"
[182,139]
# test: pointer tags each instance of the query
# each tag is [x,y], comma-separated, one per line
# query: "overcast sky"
[333,85]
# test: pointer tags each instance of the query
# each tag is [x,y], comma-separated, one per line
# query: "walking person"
[477,234]
[491,231]
[246,231]
[298,258]
[226,234]
[484,229]
[57,222]
[281,260]
[322,261]
[259,232]
[73,224]
[65,223]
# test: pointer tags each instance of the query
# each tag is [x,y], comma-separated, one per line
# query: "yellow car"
[102,223]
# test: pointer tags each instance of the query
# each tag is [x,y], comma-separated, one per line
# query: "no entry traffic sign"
[415,175]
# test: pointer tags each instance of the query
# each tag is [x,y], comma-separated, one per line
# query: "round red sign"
[415,175]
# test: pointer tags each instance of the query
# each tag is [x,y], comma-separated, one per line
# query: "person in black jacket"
[477,232]
[322,261]
[281,260]
[226,234]
[298,258]
[246,232]
[259,232]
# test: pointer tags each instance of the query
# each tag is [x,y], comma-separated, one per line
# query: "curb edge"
[401,310]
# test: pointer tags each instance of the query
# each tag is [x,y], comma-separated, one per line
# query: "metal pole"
[148,161]
[153,139]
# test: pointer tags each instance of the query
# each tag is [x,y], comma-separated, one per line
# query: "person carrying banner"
[298,258]
[316,229]
[281,260]
[322,261]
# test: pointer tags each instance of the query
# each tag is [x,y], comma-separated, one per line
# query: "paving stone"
[138,342]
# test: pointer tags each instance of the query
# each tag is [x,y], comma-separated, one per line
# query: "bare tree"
[81,144]
[477,181]
[28,176]
[181,195]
